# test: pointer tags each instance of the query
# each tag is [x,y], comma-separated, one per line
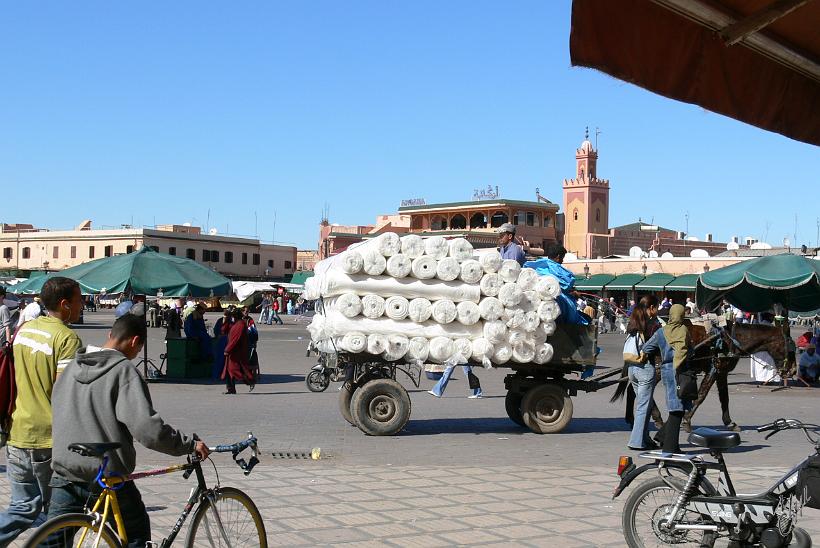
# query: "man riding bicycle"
[100,397]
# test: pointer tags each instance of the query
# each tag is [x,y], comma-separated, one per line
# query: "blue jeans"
[264,316]
[441,385]
[28,471]
[642,378]
[670,388]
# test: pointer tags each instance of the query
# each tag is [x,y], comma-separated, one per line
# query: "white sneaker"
[433,393]
[475,397]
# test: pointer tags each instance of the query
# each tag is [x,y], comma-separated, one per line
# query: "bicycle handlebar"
[789,424]
[234,447]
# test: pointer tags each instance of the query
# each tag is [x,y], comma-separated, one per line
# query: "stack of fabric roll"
[432,300]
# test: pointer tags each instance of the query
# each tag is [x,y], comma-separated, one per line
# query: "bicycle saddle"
[714,439]
[93,449]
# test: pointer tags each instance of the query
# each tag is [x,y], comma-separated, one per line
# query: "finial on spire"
[586,134]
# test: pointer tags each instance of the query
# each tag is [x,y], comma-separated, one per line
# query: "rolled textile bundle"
[467,313]
[513,317]
[376,344]
[436,247]
[441,348]
[490,285]
[527,279]
[523,353]
[490,261]
[412,246]
[490,308]
[419,310]
[495,331]
[348,304]
[548,287]
[352,262]
[337,282]
[543,353]
[372,306]
[464,348]
[312,289]
[529,301]
[510,294]
[548,311]
[548,327]
[531,321]
[516,336]
[424,268]
[482,348]
[333,324]
[502,353]
[418,349]
[396,308]
[399,265]
[388,244]
[397,346]
[460,249]
[354,342]
[471,271]
[448,269]
[374,262]
[509,271]
[444,311]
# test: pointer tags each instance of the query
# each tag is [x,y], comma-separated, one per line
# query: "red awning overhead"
[769,78]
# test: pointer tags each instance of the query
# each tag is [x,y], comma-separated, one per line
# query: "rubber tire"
[546,397]
[630,507]
[381,407]
[345,397]
[512,403]
[109,537]
[245,500]
[800,538]
[317,381]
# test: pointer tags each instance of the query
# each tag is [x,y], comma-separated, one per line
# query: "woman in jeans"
[642,377]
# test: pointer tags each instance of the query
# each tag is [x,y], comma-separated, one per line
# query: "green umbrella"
[758,284]
[144,272]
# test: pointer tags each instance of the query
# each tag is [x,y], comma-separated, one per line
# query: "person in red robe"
[236,355]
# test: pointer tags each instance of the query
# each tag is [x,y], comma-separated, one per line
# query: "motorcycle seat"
[714,439]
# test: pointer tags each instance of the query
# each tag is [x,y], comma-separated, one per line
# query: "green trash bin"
[183,360]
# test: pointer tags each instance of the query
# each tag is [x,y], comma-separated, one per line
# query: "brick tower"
[586,206]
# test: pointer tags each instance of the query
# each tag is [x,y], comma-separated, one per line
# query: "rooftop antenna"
[597,132]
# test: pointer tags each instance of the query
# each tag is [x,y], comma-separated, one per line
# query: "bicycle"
[222,516]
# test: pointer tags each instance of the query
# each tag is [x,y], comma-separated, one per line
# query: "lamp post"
[706,267]
[586,271]
[643,269]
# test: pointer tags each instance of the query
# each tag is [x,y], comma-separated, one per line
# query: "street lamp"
[706,267]
[643,269]
[586,271]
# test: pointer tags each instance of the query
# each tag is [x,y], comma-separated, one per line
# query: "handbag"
[632,349]
[687,383]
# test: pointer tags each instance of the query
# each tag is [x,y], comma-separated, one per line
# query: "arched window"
[581,174]
[575,215]
[530,218]
[598,215]
[417,223]
[519,218]
[458,222]
[438,222]
[478,220]
[498,219]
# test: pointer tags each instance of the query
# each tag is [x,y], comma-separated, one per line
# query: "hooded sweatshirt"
[100,397]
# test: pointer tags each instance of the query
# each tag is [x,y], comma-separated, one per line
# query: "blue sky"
[157,112]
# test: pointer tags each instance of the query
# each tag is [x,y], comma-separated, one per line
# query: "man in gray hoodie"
[100,397]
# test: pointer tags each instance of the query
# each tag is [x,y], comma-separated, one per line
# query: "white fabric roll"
[399,265]
[460,249]
[424,268]
[352,262]
[348,304]
[464,349]
[523,353]
[539,336]
[513,317]
[490,261]
[548,287]
[529,301]
[482,348]
[374,262]
[502,353]
[527,279]
[333,324]
[337,282]
[444,311]
[495,331]
[418,349]
[376,344]
[548,311]
[396,308]
[543,353]
[412,246]
[510,294]
[312,289]
[372,306]
[490,308]
[419,310]
[441,348]
[467,313]
[531,321]
[471,271]
[516,336]
[447,269]
[388,244]
[509,271]
[397,346]
[436,247]
[354,342]
[548,327]
[490,285]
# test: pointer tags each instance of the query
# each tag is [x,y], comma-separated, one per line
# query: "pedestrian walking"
[472,381]
[265,313]
[236,355]
[253,339]
[274,312]
[642,378]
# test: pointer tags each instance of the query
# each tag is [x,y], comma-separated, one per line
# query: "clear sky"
[157,112]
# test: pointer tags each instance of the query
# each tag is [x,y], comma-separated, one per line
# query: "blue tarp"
[566,279]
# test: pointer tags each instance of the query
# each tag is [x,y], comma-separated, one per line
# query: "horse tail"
[623,384]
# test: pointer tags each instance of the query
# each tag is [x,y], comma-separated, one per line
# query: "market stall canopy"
[596,282]
[144,272]
[300,277]
[757,61]
[654,282]
[758,284]
[244,290]
[684,282]
[624,282]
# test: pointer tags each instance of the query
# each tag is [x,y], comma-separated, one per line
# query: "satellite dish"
[653,254]
[213,232]
[731,246]
[761,245]
[635,252]
[699,254]
[667,255]
[570,257]
[186,224]
[693,239]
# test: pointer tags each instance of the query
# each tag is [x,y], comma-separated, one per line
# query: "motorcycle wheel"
[646,508]
[317,381]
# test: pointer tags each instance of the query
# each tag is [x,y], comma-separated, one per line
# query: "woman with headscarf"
[672,344]
[236,355]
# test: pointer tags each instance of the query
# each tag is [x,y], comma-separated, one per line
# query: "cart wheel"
[512,403]
[546,409]
[381,407]
[317,381]
[345,395]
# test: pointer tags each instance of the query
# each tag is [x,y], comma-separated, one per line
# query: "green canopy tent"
[654,282]
[596,282]
[684,283]
[757,285]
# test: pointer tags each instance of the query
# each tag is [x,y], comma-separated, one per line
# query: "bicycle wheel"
[68,529]
[241,523]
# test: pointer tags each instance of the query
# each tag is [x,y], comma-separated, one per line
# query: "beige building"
[25,247]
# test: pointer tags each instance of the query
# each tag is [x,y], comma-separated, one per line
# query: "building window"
[547,221]
[244,258]
[190,253]
[27,253]
[530,218]
[206,255]
[256,258]
[598,215]
[270,263]
[417,223]
[229,256]
[438,222]
[519,218]
[129,249]
[154,248]
[108,250]
[287,265]
[73,251]
[478,220]
[7,251]
[458,222]
[575,215]
[214,256]
[172,251]
[55,252]
[91,252]
[498,218]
